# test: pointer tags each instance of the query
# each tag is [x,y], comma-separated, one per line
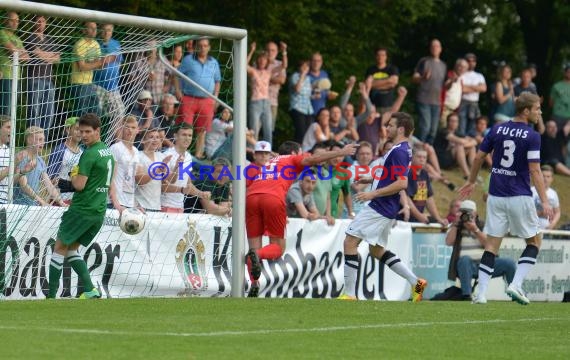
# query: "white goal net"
[58,63]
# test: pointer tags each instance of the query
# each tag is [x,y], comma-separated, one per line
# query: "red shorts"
[198,112]
[265,215]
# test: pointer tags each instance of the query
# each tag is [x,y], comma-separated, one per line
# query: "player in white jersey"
[179,183]
[510,208]
[127,166]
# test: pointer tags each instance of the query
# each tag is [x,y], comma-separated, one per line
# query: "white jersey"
[176,200]
[148,195]
[125,170]
[553,200]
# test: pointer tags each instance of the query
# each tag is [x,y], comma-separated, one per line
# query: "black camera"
[466,216]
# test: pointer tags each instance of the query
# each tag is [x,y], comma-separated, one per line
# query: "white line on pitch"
[272,331]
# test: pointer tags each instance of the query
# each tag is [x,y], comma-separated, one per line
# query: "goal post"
[138,35]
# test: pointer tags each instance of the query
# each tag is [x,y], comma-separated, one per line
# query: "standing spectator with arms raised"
[41,92]
[10,43]
[300,101]
[374,223]
[510,208]
[473,85]
[384,81]
[196,107]
[278,75]
[430,75]
[319,96]
[259,105]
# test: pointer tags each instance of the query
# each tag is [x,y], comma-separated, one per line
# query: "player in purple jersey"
[516,158]
[374,222]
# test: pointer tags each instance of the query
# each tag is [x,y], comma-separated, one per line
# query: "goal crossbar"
[123,19]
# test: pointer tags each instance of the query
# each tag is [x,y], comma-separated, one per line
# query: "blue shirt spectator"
[108,76]
[205,74]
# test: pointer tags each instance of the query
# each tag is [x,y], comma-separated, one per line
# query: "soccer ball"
[132,221]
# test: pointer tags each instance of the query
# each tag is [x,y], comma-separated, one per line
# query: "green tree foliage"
[347,32]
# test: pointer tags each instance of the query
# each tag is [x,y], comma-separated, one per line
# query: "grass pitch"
[197,328]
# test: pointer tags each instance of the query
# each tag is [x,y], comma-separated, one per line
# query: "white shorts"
[515,215]
[371,227]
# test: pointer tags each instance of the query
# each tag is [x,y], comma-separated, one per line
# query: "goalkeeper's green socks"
[55,267]
[80,267]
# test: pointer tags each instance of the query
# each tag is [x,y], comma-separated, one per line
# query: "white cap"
[263,146]
[145,94]
[468,205]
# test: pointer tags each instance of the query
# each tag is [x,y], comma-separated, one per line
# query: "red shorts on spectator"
[197,112]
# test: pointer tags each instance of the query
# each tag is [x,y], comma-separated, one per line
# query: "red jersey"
[277,177]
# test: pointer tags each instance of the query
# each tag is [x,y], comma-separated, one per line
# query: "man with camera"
[468,241]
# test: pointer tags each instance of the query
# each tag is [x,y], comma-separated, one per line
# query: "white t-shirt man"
[126,167]
[176,200]
[148,195]
[472,78]
[552,197]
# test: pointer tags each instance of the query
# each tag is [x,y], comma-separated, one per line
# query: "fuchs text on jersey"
[519,133]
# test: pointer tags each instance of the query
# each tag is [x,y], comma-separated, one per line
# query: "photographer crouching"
[468,243]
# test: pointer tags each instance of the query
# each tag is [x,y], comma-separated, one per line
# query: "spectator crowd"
[171,114]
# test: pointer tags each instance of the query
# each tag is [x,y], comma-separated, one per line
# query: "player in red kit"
[266,212]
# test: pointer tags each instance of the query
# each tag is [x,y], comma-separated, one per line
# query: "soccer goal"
[59,65]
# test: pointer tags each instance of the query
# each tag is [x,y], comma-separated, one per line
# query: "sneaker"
[517,295]
[344,296]
[479,299]
[253,259]
[418,290]
[254,290]
[93,294]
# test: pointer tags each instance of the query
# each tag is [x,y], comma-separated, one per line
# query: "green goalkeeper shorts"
[79,228]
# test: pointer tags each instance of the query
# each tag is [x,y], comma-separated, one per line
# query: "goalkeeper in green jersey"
[91,179]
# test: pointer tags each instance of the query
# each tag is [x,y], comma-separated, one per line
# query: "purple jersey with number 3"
[514,145]
[395,166]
